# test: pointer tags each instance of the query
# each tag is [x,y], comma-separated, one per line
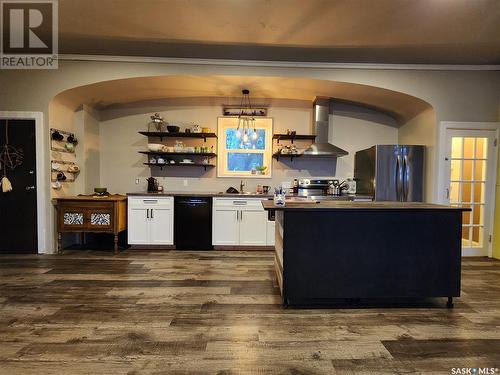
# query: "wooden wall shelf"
[278,155]
[209,154]
[162,135]
[205,166]
[290,137]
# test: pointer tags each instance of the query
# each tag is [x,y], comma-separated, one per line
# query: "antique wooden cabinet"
[91,214]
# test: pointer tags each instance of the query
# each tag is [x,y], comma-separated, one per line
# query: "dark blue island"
[331,251]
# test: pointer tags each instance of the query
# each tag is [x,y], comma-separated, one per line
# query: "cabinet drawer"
[238,202]
[86,205]
[148,201]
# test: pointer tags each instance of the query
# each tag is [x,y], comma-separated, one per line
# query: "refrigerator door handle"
[398,178]
[406,176]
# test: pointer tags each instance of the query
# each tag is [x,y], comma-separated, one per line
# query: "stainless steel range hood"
[321,147]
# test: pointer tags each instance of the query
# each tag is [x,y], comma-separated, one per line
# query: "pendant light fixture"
[246,121]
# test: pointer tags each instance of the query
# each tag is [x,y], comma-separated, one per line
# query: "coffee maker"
[152,185]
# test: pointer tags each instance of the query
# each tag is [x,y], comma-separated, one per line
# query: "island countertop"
[348,205]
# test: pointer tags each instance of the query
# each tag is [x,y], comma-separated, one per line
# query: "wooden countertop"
[108,198]
[347,205]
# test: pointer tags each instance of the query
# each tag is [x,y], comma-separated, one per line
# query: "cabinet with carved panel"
[91,214]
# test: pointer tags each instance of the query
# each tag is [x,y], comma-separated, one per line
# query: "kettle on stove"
[152,185]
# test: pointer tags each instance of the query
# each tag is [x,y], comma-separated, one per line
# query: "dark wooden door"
[18,213]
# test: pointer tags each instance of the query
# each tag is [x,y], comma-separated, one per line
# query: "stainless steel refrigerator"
[390,172]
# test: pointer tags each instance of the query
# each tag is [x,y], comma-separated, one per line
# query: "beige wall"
[121,164]
[91,151]
[355,128]
[421,130]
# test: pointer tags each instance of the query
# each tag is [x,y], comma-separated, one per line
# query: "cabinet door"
[253,227]
[225,226]
[71,218]
[161,226]
[138,225]
[100,220]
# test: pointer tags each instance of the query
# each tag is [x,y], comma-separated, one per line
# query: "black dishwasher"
[193,223]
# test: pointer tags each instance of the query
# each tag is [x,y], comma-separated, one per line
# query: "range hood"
[321,147]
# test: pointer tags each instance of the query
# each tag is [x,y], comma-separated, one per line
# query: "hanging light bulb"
[245,120]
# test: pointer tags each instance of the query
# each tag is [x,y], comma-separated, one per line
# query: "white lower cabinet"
[225,226]
[150,220]
[239,222]
[253,227]
[161,226]
[137,226]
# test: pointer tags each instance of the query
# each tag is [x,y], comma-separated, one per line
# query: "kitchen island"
[331,251]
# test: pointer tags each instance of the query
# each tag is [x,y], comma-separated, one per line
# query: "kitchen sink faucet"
[242,185]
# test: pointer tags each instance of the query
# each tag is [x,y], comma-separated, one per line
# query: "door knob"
[30,187]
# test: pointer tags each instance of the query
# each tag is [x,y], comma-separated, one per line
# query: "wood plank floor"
[219,312]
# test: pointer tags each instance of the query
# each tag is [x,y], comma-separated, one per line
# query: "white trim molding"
[273,64]
[42,197]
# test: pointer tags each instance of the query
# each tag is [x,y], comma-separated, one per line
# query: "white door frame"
[42,198]
[444,126]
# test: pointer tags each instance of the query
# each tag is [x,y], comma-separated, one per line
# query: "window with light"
[244,151]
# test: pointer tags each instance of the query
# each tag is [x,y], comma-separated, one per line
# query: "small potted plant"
[261,170]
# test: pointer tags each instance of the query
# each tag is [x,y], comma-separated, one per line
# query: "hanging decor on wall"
[10,158]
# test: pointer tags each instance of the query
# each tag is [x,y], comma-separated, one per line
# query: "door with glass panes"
[471,162]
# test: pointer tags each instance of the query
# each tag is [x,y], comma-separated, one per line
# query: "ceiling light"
[246,121]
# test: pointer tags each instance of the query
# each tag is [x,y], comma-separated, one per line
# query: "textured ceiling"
[381,31]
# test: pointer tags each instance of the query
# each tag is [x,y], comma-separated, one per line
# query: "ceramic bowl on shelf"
[100,190]
[173,129]
[155,147]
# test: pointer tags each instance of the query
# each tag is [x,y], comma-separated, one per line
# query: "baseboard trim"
[243,248]
[151,247]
